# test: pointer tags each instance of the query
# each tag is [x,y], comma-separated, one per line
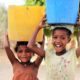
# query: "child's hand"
[42,23]
[6,40]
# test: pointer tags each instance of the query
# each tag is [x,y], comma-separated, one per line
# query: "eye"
[20,51]
[54,37]
[27,50]
[63,38]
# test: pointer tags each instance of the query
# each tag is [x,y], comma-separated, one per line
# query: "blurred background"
[6,72]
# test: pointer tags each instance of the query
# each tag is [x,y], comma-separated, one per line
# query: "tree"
[34,2]
[3,22]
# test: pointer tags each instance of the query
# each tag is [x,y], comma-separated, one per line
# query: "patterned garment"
[61,67]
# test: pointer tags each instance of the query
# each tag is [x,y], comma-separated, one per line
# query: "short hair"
[19,43]
[62,28]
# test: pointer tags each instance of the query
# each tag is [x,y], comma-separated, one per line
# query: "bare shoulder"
[16,64]
[38,61]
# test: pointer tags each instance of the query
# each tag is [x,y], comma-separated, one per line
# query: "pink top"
[25,72]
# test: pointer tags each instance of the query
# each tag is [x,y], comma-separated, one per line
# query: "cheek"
[65,42]
[29,54]
[53,41]
[18,55]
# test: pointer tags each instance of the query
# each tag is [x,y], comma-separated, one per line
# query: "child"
[23,69]
[60,63]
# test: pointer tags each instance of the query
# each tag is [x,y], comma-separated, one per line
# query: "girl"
[23,68]
[60,63]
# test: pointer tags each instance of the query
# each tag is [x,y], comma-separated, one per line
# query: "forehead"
[59,32]
[22,47]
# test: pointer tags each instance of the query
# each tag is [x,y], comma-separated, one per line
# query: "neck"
[61,53]
[25,63]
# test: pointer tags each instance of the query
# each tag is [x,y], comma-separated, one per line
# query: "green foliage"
[3,19]
[75,31]
[3,22]
[34,2]
[47,31]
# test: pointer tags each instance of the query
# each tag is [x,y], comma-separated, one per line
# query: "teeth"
[57,45]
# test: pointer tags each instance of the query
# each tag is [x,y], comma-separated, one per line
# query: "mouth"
[59,49]
[24,58]
[58,45]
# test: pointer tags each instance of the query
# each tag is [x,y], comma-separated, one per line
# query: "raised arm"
[78,49]
[32,44]
[8,50]
[78,52]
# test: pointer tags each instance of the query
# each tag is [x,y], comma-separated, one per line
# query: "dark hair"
[20,43]
[62,28]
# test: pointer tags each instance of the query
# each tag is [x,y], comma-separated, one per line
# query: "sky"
[6,3]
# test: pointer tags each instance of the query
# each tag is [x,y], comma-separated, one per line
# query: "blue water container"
[62,11]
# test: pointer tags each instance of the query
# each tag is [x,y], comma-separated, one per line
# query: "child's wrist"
[39,27]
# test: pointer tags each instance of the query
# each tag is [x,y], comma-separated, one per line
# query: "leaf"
[34,2]
[47,31]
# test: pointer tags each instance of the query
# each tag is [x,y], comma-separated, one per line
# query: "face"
[24,54]
[59,40]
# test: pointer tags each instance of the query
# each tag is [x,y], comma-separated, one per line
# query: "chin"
[58,50]
[24,61]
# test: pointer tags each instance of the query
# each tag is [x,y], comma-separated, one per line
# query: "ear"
[78,52]
[69,40]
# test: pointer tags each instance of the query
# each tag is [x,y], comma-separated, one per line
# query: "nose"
[23,53]
[58,40]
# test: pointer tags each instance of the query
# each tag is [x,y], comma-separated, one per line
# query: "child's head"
[23,53]
[60,37]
